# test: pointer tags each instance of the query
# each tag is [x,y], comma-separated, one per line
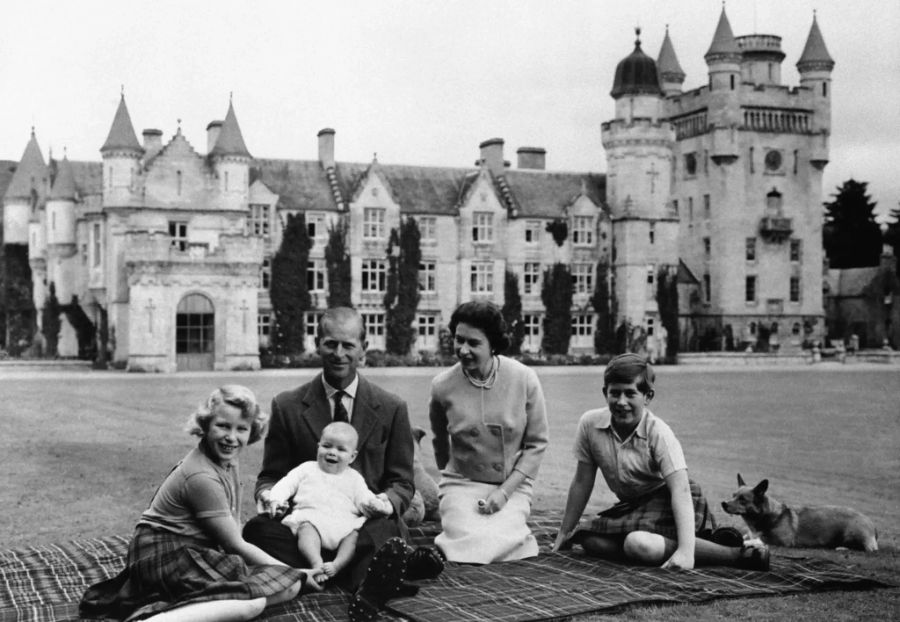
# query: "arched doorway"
[195,333]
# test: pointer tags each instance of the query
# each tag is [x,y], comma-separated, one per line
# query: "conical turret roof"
[814,52]
[30,173]
[723,43]
[230,141]
[121,134]
[636,73]
[64,184]
[667,62]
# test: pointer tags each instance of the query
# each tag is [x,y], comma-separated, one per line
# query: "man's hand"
[379,506]
[270,507]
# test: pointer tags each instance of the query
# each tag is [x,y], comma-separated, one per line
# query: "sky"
[411,81]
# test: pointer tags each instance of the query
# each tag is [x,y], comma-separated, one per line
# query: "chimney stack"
[492,155]
[152,142]
[534,158]
[212,134]
[326,148]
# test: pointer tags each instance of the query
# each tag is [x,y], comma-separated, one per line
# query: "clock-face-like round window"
[690,163]
[773,160]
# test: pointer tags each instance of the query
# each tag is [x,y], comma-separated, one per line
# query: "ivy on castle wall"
[85,331]
[667,303]
[401,299]
[50,323]
[556,295]
[16,304]
[512,312]
[288,288]
[337,261]
[604,333]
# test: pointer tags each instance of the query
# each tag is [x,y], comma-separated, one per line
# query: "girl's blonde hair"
[235,395]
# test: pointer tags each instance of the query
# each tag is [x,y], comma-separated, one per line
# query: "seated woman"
[490,432]
[187,560]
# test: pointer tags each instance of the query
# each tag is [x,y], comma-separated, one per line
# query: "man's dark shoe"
[424,562]
[383,581]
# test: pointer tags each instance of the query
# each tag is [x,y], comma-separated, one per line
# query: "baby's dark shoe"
[383,580]
[754,557]
[424,562]
[727,536]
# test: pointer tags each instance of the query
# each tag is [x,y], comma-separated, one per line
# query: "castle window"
[796,249]
[97,245]
[531,277]
[707,208]
[482,227]
[731,81]
[532,323]
[750,289]
[427,230]
[675,206]
[427,324]
[691,209]
[750,249]
[706,162]
[263,326]
[482,278]
[824,89]
[750,159]
[707,288]
[265,273]
[707,247]
[652,232]
[373,223]
[795,289]
[178,182]
[315,226]
[651,282]
[427,277]
[582,278]
[109,173]
[374,324]
[690,164]
[311,323]
[315,275]
[374,275]
[532,231]
[178,233]
[796,158]
[650,325]
[582,325]
[582,230]
[258,220]
[773,203]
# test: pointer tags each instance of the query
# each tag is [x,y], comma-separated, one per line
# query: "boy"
[660,509]
[329,501]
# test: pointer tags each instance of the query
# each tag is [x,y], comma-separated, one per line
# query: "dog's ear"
[741,480]
[761,488]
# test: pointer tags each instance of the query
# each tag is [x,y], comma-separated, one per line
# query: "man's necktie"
[340,413]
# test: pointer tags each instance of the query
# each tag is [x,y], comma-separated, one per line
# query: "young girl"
[187,560]
[660,509]
[330,501]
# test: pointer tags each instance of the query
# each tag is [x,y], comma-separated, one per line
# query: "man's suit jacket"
[385,457]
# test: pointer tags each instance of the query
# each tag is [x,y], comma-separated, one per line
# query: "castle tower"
[724,61]
[639,182]
[25,194]
[231,162]
[121,159]
[60,232]
[815,66]
[671,75]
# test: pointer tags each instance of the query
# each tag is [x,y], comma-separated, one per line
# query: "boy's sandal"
[383,580]
[754,558]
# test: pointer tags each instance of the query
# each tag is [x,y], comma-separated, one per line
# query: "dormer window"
[373,223]
[583,230]
[482,227]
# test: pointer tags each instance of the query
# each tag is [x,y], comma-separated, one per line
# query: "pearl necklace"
[487,382]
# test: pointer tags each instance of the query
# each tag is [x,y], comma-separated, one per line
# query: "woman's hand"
[680,560]
[494,502]
[562,541]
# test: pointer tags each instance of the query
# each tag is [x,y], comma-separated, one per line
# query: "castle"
[169,249]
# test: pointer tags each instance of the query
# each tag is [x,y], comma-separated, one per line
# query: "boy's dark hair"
[627,368]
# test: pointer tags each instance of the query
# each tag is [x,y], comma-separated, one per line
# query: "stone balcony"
[775,228]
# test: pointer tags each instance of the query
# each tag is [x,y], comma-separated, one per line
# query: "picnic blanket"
[44,583]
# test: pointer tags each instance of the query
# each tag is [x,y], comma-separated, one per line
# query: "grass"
[84,452]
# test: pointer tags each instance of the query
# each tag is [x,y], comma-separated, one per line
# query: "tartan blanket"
[44,583]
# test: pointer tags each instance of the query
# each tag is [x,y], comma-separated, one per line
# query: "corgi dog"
[813,526]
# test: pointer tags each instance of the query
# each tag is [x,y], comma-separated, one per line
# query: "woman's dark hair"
[486,317]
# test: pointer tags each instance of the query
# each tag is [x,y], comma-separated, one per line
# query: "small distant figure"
[853,344]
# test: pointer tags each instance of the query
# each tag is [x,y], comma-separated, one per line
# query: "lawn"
[84,452]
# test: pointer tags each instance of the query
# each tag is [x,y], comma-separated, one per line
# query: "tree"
[85,331]
[556,294]
[402,297]
[667,302]
[50,324]
[851,237]
[512,312]
[892,232]
[288,288]
[604,335]
[16,302]
[337,261]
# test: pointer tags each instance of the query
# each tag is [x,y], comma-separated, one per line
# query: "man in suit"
[385,453]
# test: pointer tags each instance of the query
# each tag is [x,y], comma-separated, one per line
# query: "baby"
[330,501]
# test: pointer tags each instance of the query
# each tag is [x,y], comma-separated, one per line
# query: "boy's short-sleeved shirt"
[634,466]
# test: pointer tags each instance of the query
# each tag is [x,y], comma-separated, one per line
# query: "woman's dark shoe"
[727,536]
[383,581]
[424,562]
[754,558]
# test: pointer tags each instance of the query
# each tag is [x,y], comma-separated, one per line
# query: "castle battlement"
[146,246]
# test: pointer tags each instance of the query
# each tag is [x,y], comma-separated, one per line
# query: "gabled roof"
[546,194]
[723,43]
[667,62]
[300,184]
[685,275]
[230,141]
[814,52]
[121,134]
[30,173]
[64,184]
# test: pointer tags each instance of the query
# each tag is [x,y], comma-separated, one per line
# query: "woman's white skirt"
[469,536]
